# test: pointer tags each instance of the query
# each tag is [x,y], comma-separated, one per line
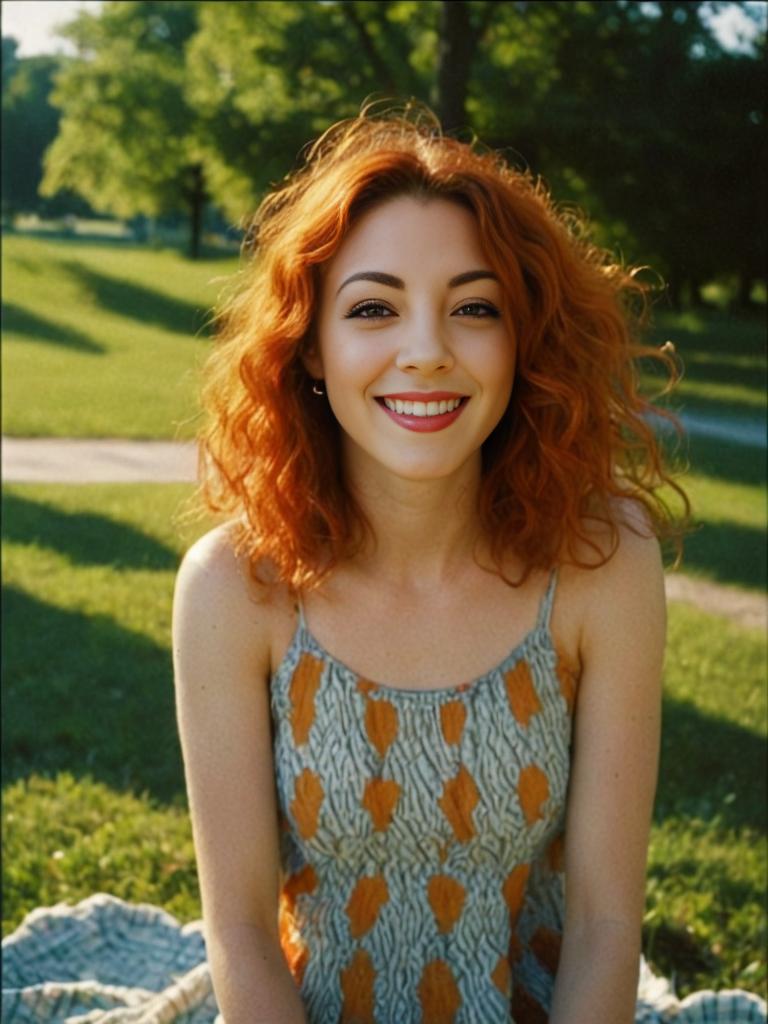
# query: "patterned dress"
[422,836]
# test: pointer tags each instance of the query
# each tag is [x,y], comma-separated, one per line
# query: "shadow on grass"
[134,301]
[711,331]
[85,538]
[740,463]
[104,706]
[728,553]
[208,252]
[720,371]
[716,458]
[710,767]
[37,328]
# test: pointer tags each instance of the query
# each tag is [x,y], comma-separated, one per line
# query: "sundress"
[422,836]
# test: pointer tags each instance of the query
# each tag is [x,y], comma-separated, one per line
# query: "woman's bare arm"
[613,781]
[221,662]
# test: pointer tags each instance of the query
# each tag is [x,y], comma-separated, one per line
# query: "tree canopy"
[633,111]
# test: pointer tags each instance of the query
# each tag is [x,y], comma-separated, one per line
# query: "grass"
[94,797]
[723,360]
[726,484]
[103,339]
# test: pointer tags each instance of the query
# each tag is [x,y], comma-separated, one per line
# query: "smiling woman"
[418,664]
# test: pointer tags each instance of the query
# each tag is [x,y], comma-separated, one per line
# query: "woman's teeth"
[422,408]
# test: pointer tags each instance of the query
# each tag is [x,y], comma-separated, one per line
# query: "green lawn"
[103,339]
[94,794]
[723,359]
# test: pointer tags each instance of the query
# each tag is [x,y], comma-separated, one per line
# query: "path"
[750,432]
[60,460]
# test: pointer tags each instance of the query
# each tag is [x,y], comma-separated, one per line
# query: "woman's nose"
[425,348]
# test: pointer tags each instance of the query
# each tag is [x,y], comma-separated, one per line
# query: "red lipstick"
[424,424]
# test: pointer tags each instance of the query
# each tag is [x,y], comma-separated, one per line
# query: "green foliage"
[266,78]
[632,111]
[29,126]
[126,141]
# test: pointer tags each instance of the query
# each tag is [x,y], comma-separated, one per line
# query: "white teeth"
[422,408]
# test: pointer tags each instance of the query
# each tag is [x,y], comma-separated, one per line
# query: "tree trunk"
[456,48]
[197,198]
[744,296]
[675,291]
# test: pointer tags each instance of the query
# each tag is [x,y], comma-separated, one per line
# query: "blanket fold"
[105,961]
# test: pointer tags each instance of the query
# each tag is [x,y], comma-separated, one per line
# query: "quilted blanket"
[112,962]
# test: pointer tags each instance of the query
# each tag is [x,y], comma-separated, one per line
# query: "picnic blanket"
[111,962]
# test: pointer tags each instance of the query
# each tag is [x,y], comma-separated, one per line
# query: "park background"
[128,163]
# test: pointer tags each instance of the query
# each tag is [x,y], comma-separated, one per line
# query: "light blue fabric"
[60,966]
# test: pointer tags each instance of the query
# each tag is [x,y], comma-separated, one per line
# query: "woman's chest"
[446,637]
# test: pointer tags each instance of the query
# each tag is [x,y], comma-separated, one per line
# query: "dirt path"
[741,606]
[60,460]
[68,461]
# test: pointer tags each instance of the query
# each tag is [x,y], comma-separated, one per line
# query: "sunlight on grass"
[721,501]
[103,340]
[65,839]
[704,922]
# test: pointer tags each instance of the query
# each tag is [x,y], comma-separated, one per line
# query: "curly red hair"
[574,442]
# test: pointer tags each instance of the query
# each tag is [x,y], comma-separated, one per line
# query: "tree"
[29,125]
[630,110]
[267,77]
[127,139]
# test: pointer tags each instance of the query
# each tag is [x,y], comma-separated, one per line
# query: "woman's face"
[417,363]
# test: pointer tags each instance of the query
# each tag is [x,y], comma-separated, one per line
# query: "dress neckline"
[539,637]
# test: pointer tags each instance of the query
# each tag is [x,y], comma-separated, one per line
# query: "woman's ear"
[310,356]
[313,362]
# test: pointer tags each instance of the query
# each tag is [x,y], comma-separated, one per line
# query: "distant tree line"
[632,111]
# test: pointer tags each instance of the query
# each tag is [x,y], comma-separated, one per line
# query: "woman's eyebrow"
[396,282]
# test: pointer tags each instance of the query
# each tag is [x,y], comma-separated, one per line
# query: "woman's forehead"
[408,233]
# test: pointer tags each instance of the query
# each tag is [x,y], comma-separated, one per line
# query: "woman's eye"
[377,311]
[484,307]
[368,311]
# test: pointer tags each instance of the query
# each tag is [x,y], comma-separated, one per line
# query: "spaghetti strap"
[302,623]
[545,608]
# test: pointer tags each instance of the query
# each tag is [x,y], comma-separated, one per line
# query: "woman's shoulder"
[218,595]
[619,584]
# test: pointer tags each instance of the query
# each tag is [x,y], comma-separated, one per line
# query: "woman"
[418,664]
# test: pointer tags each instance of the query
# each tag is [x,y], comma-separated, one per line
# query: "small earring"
[317,388]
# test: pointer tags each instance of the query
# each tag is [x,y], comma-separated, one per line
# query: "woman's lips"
[426,424]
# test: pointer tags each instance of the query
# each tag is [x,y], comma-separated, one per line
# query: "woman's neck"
[426,531]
